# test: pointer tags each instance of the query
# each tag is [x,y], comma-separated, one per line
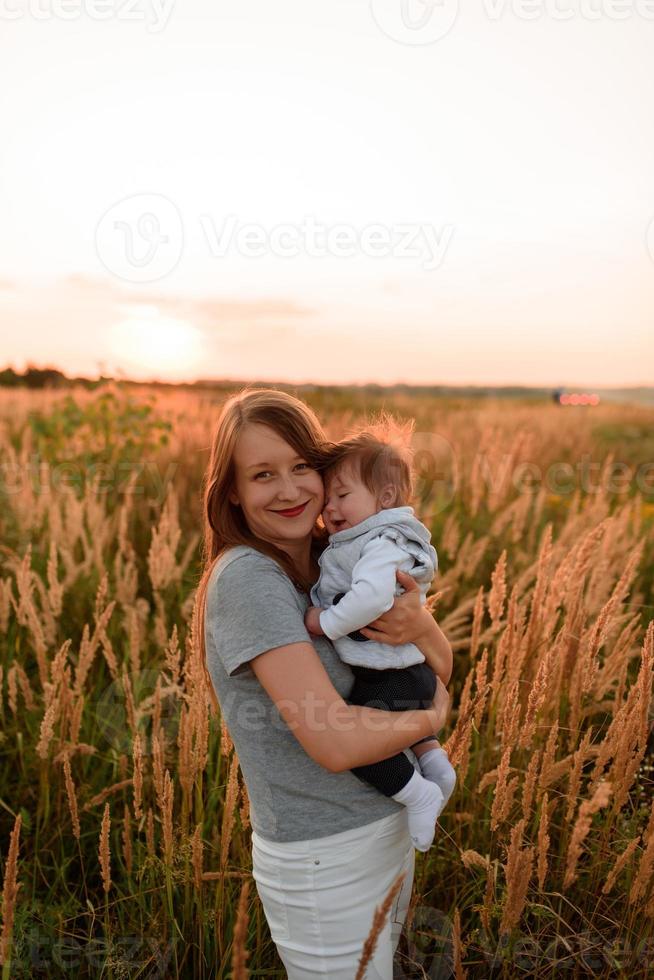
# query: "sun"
[155,346]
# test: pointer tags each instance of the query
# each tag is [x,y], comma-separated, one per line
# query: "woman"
[326,846]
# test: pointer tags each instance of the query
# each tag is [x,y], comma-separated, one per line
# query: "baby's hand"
[312,620]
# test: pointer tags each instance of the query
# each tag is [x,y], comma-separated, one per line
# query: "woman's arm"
[337,735]
[410,622]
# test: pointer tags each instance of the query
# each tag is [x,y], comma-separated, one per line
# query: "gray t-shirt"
[252,606]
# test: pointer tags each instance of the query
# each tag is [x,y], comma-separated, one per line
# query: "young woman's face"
[280,495]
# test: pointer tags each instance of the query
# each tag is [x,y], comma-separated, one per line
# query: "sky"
[426,191]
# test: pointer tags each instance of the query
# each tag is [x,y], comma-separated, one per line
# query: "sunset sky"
[335,192]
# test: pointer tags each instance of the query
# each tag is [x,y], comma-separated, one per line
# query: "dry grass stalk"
[543,839]
[130,707]
[378,923]
[196,856]
[244,807]
[543,578]
[645,872]
[481,685]
[509,720]
[149,833]
[574,781]
[620,863]
[497,594]
[72,796]
[529,785]
[240,953]
[185,749]
[25,687]
[104,852]
[458,947]
[477,618]
[76,721]
[167,818]
[106,792]
[547,765]
[502,797]
[6,596]
[46,733]
[137,758]
[458,743]
[472,859]
[127,839]
[158,756]
[489,894]
[536,699]
[226,744]
[231,797]
[518,874]
[581,828]
[10,889]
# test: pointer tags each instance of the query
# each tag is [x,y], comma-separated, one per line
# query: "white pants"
[319,897]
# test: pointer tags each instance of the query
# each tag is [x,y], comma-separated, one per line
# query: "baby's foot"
[424,801]
[437,768]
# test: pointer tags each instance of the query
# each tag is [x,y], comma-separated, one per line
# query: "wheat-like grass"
[378,922]
[10,888]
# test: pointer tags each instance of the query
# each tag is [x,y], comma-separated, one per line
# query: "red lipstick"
[294,511]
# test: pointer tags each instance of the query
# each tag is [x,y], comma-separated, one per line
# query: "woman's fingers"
[374,634]
[407,581]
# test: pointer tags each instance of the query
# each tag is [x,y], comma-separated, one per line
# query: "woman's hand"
[408,621]
[405,621]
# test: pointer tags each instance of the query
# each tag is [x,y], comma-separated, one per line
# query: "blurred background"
[395,191]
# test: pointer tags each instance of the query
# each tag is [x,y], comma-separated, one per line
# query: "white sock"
[437,768]
[424,801]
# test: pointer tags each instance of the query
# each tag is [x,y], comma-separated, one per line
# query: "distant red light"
[579,398]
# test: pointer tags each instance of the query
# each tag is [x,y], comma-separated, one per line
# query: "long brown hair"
[224,523]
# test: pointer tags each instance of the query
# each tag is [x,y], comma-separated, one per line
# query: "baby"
[373,533]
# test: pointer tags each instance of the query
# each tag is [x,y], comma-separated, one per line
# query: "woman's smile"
[292,511]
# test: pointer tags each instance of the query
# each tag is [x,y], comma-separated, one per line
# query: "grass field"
[124,829]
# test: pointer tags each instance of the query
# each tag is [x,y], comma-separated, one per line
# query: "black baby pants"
[394,689]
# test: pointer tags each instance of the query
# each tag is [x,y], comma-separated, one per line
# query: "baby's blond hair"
[380,454]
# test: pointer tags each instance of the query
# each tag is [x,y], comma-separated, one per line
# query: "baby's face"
[347,501]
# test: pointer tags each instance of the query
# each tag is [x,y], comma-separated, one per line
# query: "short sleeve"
[252,606]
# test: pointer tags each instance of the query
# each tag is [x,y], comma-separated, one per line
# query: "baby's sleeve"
[252,606]
[372,591]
